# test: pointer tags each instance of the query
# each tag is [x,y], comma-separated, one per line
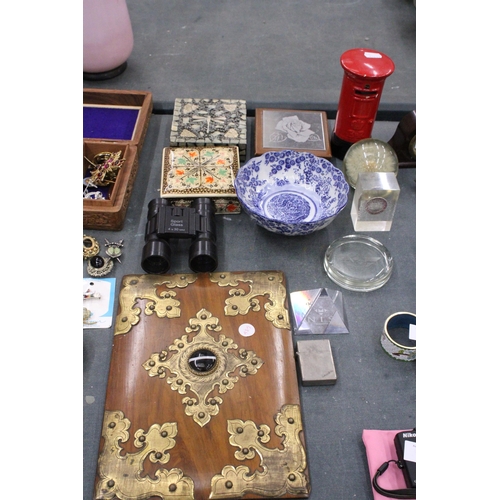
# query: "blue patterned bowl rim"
[306,165]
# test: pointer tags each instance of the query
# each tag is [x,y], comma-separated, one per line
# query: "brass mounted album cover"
[202,399]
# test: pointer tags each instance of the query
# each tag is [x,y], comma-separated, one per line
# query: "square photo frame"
[299,130]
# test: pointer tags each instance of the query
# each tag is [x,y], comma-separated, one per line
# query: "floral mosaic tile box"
[210,122]
[278,129]
[192,172]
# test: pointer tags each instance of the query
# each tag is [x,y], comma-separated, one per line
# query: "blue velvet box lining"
[109,122]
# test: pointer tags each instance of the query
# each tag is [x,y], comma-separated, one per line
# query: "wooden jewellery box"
[114,121]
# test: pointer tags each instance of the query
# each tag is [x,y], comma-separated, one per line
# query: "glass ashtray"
[359,263]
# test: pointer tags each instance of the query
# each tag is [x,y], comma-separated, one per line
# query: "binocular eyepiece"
[166,221]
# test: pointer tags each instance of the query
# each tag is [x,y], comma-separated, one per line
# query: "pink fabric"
[379,449]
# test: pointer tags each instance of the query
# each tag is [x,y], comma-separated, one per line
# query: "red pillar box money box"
[365,71]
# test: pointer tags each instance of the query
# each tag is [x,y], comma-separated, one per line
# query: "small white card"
[98,301]
[410,451]
[413,332]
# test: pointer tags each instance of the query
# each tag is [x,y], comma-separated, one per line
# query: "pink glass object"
[108,39]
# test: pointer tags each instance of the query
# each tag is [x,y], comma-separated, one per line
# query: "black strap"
[409,493]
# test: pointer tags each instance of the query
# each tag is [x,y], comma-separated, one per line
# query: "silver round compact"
[359,263]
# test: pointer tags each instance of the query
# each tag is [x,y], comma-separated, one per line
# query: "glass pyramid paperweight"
[318,311]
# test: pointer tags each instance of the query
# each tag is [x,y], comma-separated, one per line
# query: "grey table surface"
[284,53]
[373,391]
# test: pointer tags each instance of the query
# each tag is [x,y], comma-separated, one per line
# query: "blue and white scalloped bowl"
[290,192]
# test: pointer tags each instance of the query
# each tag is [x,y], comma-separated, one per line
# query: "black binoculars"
[166,221]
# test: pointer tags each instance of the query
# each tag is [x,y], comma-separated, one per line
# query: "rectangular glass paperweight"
[374,202]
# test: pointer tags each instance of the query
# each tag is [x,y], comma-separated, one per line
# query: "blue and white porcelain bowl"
[290,192]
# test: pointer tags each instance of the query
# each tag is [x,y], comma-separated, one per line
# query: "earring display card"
[98,301]
[374,202]
[210,122]
[318,311]
[201,171]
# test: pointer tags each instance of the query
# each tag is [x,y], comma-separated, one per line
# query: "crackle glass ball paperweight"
[358,263]
[369,155]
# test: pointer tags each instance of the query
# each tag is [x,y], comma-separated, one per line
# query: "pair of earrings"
[100,266]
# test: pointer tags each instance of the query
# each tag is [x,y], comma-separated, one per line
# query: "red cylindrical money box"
[365,72]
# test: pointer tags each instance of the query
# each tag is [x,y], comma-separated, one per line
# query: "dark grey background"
[373,391]
[279,54]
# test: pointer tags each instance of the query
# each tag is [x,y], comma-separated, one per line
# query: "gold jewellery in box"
[104,169]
